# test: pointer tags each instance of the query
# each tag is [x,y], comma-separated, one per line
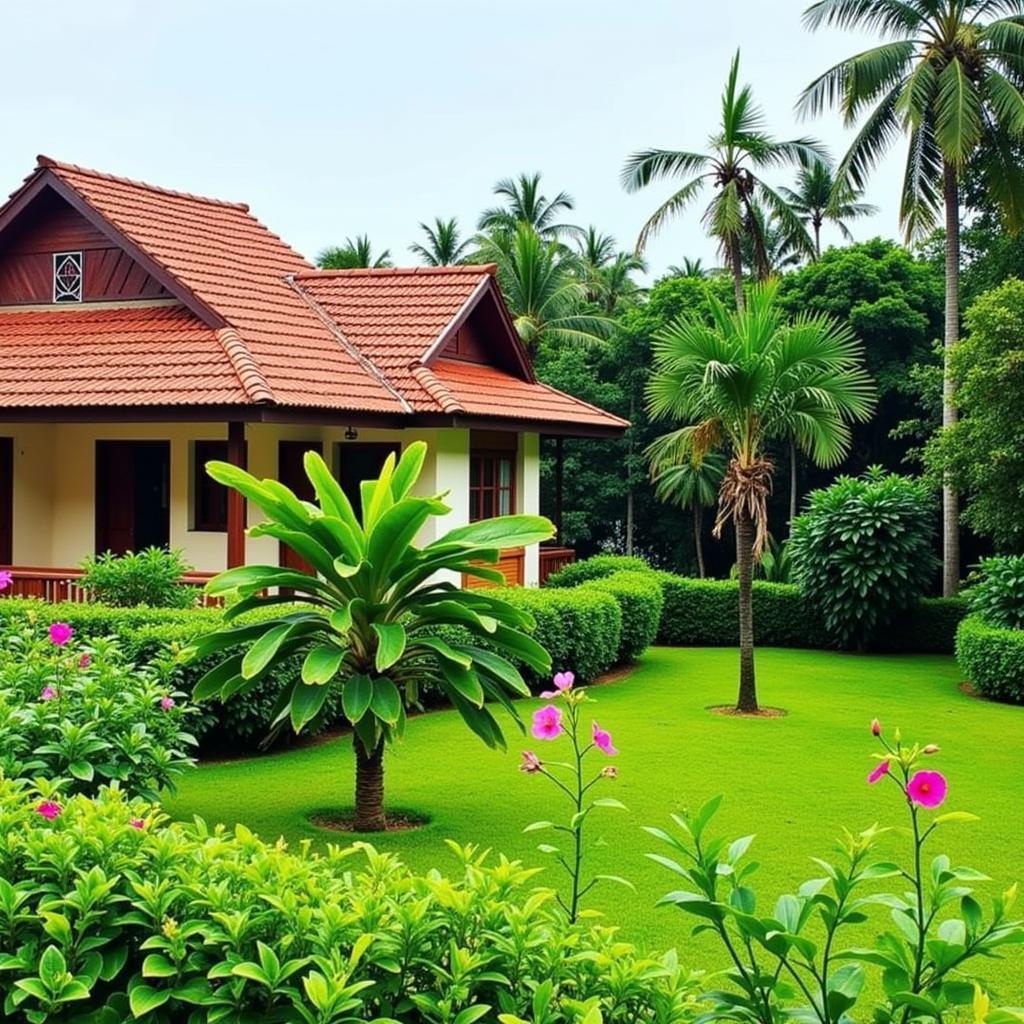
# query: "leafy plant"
[149,577]
[371,612]
[992,658]
[776,565]
[863,551]
[997,591]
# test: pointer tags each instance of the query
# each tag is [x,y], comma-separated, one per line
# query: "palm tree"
[444,247]
[745,380]
[355,254]
[737,154]
[688,268]
[950,81]
[770,249]
[542,292]
[524,203]
[818,198]
[689,484]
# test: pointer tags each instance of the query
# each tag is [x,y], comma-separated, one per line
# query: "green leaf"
[156,965]
[386,702]
[502,532]
[145,999]
[408,470]
[464,681]
[955,816]
[607,801]
[260,655]
[391,641]
[341,619]
[81,770]
[321,664]
[306,703]
[355,697]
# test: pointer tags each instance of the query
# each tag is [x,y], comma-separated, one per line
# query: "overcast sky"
[335,117]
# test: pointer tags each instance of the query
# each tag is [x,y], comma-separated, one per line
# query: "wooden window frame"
[206,450]
[477,488]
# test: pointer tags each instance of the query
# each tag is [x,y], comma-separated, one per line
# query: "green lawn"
[794,781]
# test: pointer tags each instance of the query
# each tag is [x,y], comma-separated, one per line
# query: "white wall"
[528,503]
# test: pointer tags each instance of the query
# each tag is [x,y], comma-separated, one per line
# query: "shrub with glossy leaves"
[992,659]
[595,568]
[640,597]
[997,592]
[862,551]
[149,577]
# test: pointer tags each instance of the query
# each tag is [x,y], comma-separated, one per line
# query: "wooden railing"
[55,585]
[552,559]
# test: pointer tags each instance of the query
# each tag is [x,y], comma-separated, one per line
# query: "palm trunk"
[793,492]
[950,499]
[369,788]
[747,700]
[817,238]
[629,479]
[736,263]
[698,537]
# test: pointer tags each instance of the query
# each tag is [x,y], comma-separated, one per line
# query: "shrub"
[594,569]
[992,658]
[998,593]
[150,577]
[185,922]
[863,552]
[640,597]
[82,713]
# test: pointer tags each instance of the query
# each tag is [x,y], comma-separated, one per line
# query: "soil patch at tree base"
[730,711]
[343,821]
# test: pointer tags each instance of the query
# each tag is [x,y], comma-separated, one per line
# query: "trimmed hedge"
[992,658]
[595,568]
[641,599]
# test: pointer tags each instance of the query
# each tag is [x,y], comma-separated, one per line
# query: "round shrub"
[862,552]
[594,569]
[992,658]
[150,577]
[997,595]
[640,597]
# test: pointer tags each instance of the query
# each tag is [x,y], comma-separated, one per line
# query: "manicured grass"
[794,781]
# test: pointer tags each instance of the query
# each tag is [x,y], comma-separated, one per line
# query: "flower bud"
[609,771]
[531,763]
[876,727]
[932,748]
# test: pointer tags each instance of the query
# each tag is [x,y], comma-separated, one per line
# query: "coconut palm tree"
[689,483]
[818,198]
[688,268]
[524,203]
[443,246]
[948,79]
[749,378]
[606,272]
[738,153]
[355,254]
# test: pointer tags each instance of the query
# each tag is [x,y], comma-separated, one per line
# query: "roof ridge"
[438,391]
[50,164]
[461,268]
[251,377]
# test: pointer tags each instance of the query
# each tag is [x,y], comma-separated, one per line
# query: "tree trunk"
[698,537]
[747,700]
[736,263]
[793,492]
[629,478]
[950,499]
[817,238]
[369,788]
[629,521]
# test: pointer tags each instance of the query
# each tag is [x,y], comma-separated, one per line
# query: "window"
[67,277]
[209,498]
[491,484]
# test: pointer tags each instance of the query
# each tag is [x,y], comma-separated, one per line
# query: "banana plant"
[376,617]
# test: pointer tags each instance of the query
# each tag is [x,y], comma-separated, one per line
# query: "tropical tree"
[737,155]
[949,79]
[372,612]
[818,198]
[525,203]
[769,248]
[543,294]
[688,268]
[691,484]
[745,379]
[355,254]
[443,246]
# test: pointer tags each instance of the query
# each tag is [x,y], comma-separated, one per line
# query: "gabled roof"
[258,326]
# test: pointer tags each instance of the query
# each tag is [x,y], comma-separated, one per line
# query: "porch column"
[236,503]
[559,472]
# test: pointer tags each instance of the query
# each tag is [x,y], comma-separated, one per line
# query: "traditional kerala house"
[144,332]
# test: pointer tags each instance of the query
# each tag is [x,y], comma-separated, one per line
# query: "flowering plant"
[572,779]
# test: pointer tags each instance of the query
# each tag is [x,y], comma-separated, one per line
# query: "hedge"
[641,599]
[992,658]
[595,568]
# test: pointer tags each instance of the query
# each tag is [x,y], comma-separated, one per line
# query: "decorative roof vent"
[67,277]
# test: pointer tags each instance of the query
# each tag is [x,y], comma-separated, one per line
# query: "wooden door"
[6,500]
[292,474]
[359,461]
[132,495]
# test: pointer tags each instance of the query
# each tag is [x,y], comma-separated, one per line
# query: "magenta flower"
[876,727]
[60,633]
[166,703]
[84,661]
[6,579]
[547,723]
[531,763]
[48,809]
[47,693]
[927,789]
[563,681]
[137,823]
[602,740]
[880,772]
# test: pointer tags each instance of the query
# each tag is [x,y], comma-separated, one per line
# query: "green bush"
[862,552]
[928,627]
[997,592]
[150,577]
[594,569]
[992,658]
[639,595]
[108,914]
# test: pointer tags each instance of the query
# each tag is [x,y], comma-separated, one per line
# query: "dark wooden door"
[6,500]
[362,460]
[291,473]
[132,495]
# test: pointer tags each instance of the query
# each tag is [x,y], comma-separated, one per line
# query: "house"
[144,332]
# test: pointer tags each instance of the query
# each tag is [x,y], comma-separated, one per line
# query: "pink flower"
[84,661]
[603,740]
[876,727]
[166,703]
[531,763]
[47,693]
[880,772]
[137,823]
[48,809]
[6,579]
[563,681]
[547,723]
[927,789]
[60,633]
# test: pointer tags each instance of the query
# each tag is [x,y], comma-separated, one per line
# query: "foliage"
[776,565]
[992,658]
[984,451]
[863,551]
[443,246]
[356,254]
[151,577]
[550,723]
[785,966]
[997,592]
[524,204]
[595,568]
[640,597]
[80,713]
[606,272]
[186,922]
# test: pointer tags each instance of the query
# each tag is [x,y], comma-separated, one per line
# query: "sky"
[333,118]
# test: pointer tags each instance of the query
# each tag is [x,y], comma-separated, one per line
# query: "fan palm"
[524,203]
[737,154]
[950,81]
[355,254]
[748,378]
[818,198]
[443,246]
